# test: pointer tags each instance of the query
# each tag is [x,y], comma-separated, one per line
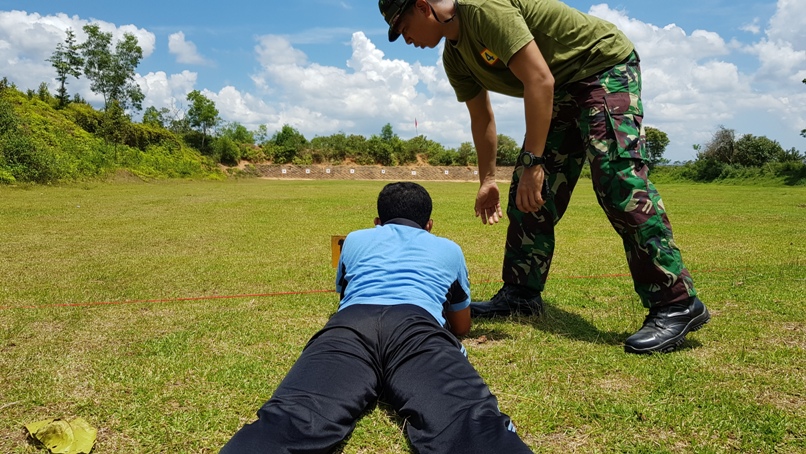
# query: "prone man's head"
[405,200]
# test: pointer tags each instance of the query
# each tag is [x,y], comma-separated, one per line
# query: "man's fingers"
[529,202]
[490,215]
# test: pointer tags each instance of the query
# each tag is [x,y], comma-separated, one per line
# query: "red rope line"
[271,294]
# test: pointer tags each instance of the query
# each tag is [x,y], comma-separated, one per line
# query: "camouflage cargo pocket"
[624,117]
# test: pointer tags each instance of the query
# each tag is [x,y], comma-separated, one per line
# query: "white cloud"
[185,51]
[752,27]
[780,62]
[27,40]
[162,90]
[789,24]
[372,90]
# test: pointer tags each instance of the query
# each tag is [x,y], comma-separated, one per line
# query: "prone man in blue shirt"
[405,297]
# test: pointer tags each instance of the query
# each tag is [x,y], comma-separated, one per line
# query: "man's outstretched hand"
[488,203]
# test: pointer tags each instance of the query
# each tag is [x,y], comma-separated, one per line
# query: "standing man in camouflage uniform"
[580,80]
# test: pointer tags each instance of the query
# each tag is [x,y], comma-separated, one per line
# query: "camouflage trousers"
[599,119]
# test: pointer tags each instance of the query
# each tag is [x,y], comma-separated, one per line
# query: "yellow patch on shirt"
[489,57]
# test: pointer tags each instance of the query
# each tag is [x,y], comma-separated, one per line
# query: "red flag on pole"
[415,122]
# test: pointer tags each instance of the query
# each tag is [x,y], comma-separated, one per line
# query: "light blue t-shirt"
[401,263]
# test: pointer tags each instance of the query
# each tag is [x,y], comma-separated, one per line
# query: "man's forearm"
[538,106]
[485,139]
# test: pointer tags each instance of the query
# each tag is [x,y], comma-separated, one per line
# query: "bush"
[227,150]
[508,151]
[466,155]
[707,170]
[421,146]
[379,151]
[6,177]
[442,157]
[28,161]
[252,153]
[303,158]
[280,154]
[142,136]
[85,117]
[704,169]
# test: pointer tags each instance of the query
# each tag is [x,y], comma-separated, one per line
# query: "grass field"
[98,316]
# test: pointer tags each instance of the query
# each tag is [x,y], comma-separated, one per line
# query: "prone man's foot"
[665,328]
[511,299]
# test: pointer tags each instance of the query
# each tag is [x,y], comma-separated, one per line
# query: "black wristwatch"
[527,159]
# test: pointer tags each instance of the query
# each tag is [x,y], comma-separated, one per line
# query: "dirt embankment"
[392,173]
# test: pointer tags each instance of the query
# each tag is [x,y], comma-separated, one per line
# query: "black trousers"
[398,354]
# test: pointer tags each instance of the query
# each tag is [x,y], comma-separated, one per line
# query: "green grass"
[180,375]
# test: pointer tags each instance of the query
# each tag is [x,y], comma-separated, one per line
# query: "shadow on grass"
[573,326]
[482,332]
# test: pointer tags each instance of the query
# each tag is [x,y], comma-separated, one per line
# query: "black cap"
[391,11]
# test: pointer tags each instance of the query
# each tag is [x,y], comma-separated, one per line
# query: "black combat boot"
[665,327]
[510,300]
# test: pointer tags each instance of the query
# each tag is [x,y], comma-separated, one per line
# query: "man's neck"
[448,16]
[403,221]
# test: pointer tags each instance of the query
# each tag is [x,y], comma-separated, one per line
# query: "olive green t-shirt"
[574,44]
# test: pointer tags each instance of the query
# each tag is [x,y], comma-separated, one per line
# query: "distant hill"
[42,144]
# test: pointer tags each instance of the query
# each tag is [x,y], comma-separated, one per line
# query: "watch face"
[526,159]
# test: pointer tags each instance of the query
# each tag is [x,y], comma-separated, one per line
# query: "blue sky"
[325,66]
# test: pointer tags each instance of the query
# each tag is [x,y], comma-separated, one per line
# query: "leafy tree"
[752,151]
[238,133]
[387,134]
[43,92]
[261,135]
[286,143]
[356,145]
[226,150]
[508,151]
[380,151]
[442,157]
[202,113]
[8,118]
[332,148]
[67,61]
[114,125]
[656,143]
[111,72]
[791,155]
[154,117]
[721,147]
[422,146]
[466,155]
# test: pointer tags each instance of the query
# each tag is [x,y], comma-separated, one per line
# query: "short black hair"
[404,200]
